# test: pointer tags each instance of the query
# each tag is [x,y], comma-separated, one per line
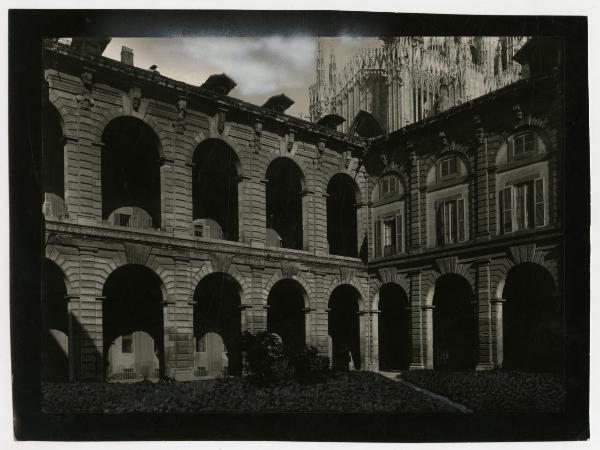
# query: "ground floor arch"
[217,326]
[532,320]
[133,324]
[55,324]
[344,327]
[394,333]
[286,314]
[454,324]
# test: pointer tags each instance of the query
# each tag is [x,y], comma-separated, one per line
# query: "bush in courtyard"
[309,366]
[264,359]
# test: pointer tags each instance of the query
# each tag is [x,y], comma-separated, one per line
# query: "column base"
[484,366]
[416,367]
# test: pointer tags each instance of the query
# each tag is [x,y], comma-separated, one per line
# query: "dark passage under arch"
[285,315]
[344,327]
[533,329]
[215,189]
[342,233]
[217,326]
[454,324]
[394,328]
[284,203]
[131,174]
[55,324]
[133,323]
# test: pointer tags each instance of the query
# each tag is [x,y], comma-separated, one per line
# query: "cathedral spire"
[332,69]
[320,68]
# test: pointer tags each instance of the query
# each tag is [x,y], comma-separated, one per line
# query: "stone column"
[168,364]
[167,183]
[308,334]
[497,305]
[364,331]
[483,314]
[181,322]
[320,223]
[246,318]
[375,339]
[418,350]
[428,335]
[308,243]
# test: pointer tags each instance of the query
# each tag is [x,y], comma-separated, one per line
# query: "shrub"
[264,359]
[309,366]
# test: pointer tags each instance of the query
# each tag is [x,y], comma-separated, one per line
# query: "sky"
[261,67]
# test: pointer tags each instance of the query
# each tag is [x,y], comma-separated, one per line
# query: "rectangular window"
[377,238]
[451,222]
[124,220]
[448,167]
[389,237]
[128,374]
[199,230]
[522,145]
[523,206]
[127,343]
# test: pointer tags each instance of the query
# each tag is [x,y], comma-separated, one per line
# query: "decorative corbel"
[256,134]
[221,116]
[290,138]
[135,95]
[517,116]
[443,140]
[480,134]
[85,99]
[179,123]
[347,158]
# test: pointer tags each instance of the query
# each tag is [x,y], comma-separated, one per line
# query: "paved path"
[395,376]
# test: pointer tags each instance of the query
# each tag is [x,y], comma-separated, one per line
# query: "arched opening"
[55,324]
[53,164]
[217,326]
[133,324]
[285,315]
[532,320]
[394,328]
[454,324]
[341,216]
[131,174]
[284,204]
[215,191]
[344,328]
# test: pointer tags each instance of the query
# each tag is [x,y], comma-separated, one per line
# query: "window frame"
[532,205]
[449,160]
[450,226]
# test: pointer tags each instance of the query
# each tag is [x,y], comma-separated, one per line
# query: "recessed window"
[389,235]
[388,186]
[127,344]
[448,167]
[450,222]
[522,206]
[124,220]
[522,145]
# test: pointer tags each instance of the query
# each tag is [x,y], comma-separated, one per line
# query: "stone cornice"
[94,236]
[105,68]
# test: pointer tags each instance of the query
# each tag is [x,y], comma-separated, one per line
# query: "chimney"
[127,56]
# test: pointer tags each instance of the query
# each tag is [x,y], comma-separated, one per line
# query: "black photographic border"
[26,30]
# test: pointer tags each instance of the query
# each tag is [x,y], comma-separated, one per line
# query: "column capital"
[69,298]
[308,310]
[244,306]
[497,300]
[426,307]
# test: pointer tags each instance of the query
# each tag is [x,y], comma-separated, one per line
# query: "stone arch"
[278,276]
[460,151]
[296,160]
[337,282]
[207,269]
[532,254]
[58,104]
[149,120]
[201,137]
[448,266]
[357,191]
[378,283]
[59,260]
[119,260]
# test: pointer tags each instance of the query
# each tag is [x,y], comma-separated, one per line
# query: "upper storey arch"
[216,173]
[131,178]
[522,146]
[285,205]
[445,169]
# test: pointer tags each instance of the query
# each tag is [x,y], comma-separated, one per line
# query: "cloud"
[258,65]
